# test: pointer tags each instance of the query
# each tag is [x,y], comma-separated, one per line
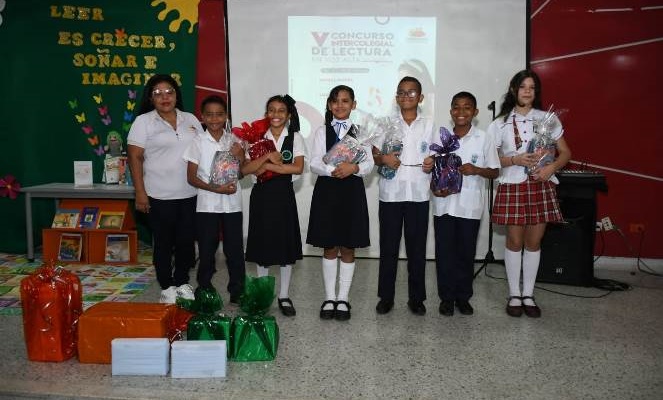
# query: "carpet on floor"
[100,282]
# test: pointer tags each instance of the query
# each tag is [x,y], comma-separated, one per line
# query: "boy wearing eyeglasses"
[404,196]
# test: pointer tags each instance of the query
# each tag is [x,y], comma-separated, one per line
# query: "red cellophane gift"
[259,146]
[52,301]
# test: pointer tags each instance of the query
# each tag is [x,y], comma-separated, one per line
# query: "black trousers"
[455,249]
[172,224]
[409,219]
[229,225]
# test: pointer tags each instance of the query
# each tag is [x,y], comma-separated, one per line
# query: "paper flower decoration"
[9,187]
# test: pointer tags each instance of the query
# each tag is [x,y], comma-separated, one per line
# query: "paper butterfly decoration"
[104,115]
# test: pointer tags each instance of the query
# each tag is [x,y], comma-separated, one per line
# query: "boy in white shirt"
[404,200]
[457,216]
[219,207]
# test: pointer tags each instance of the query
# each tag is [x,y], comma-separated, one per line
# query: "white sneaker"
[168,296]
[185,291]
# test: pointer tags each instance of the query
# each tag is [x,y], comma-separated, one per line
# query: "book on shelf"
[71,245]
[65,218]
[110,220]
[83,174]
[88,218]
[117,248]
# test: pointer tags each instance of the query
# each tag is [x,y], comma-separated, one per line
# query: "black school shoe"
[447,308]
[286,307]
[327,314]
[384,306]
[342,315]
[464,307]
[417,307]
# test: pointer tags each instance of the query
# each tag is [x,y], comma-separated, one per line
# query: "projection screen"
[304,48]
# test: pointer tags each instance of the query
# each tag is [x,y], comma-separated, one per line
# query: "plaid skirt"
[527,203]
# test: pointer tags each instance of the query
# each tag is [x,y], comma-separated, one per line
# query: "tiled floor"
[586,346]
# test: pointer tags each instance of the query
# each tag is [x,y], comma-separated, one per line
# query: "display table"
[68,190]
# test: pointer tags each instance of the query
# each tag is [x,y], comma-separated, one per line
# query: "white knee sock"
[530,268]
[512,263]
[329,268]
[286,272]
[346,273]
[261,271]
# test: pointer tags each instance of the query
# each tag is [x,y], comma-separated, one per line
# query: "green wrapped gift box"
[255,338]
[210,327]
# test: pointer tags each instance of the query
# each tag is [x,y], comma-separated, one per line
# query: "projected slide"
[305,48]
[369,54]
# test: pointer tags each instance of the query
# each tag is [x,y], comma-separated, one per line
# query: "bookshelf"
[93,239]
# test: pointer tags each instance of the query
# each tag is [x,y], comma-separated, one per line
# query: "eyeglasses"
[407,93]
[162,92]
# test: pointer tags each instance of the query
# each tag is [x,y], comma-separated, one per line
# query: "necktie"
[338,125]
[516,134]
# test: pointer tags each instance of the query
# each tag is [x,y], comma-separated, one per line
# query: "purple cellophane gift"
[445,174]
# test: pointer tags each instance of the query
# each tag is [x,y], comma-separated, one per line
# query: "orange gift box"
[105,321]
[52,302]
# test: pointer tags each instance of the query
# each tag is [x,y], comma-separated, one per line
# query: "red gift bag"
[52,301]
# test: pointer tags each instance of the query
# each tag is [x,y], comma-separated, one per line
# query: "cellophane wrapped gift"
[256,335]
[207,322]
[349,149]
[445,174]
[543,144]
[253,135]
[224,169]
[393,143]
[52,302]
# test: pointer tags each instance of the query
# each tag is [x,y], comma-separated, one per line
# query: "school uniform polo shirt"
[503,135]
[477,148]
[410,183]
[201,151]
[164,170]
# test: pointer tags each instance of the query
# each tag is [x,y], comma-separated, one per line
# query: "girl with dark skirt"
[338,222]
[272,202]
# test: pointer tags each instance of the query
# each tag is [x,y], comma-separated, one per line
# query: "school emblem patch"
[286,155]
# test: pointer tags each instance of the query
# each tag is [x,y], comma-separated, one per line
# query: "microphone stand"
[489,258]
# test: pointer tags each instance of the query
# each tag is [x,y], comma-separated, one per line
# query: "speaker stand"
[489,258]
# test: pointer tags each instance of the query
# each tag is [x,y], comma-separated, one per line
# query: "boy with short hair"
[457,216]
[404,200]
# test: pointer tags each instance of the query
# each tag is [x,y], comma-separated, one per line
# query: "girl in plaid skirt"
[524,202]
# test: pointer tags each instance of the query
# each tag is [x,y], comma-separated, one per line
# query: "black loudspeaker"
[567,249]
[564,254]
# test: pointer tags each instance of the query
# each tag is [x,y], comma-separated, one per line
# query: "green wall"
[69,72]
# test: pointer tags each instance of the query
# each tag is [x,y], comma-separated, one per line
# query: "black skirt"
[274,236]
[339,213]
